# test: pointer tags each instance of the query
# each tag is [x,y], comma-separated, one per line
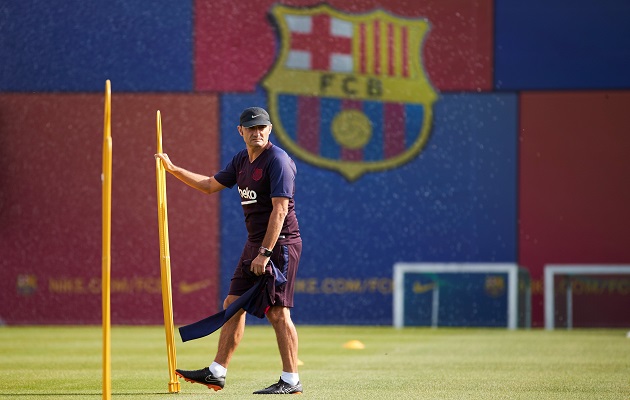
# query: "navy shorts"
[286,257]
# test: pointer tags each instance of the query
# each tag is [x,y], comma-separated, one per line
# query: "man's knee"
[229,300]
[279,314]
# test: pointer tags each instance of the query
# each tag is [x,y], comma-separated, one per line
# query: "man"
[265,176]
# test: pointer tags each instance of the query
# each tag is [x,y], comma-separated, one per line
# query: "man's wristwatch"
[263,251]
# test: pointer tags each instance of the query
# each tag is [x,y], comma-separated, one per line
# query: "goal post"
[503,287]
[572,270]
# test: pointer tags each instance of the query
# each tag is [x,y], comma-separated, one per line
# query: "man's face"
[255,136]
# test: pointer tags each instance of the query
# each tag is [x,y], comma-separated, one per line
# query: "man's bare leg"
[231,334]
[286,335]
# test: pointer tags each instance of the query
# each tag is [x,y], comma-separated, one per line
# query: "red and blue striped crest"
[348,92]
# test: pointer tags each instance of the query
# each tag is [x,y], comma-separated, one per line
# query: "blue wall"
[455,202]
[74,45]
[558,44]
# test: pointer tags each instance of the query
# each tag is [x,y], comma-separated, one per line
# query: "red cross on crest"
[318,41]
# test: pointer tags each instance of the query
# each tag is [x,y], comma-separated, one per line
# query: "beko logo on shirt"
[248,195]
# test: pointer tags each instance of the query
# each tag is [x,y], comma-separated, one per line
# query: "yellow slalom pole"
[165,265]
[107,228]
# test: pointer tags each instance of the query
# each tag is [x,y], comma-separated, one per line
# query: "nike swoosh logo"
[254,116]
[187,288]
[420,288]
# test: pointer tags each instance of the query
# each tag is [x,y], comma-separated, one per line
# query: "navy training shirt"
[272,174]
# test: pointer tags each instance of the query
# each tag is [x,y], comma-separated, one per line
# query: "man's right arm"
[206,184]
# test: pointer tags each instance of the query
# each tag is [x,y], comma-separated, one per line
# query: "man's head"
[254,116]
[255,127]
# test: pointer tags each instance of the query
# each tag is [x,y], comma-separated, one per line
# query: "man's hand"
[258,265]
[166,162]
[206,184]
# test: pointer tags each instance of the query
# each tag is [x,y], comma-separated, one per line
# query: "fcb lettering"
[351,85]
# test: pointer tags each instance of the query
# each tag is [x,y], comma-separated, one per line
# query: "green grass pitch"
[65,362]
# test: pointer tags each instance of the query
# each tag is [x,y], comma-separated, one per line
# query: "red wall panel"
[574,192]
[50,206]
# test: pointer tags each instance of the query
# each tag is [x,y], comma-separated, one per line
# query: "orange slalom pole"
[165,265]
[106,247]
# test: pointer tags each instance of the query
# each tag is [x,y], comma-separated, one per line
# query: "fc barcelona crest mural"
[348,92]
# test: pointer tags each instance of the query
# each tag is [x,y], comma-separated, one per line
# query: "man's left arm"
[274,227]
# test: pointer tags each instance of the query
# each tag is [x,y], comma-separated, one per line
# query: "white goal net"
[572,273]
[461,294]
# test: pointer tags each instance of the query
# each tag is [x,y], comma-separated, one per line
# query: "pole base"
[173,387]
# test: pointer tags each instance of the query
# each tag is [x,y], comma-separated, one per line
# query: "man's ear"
[240,129]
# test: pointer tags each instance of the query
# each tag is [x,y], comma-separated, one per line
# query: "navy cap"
[254,116]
